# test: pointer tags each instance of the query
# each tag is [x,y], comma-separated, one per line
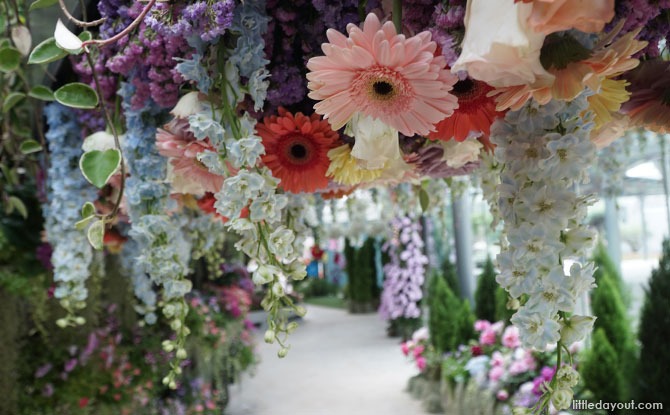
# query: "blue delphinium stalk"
[542,155]
[68,191]
[162,250]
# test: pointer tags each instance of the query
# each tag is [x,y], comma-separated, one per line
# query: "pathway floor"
[339,364]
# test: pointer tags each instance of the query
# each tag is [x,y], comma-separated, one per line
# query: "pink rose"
[488,337]
[497,359]
[421,363]
[405,348]
[418,350]
[481,325]
[496,373]
[510,337]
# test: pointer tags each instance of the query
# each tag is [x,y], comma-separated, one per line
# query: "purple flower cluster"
[295,33]
[405,273]
[652,16]
[197,19]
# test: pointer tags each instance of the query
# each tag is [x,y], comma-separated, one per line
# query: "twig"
[125,31]
[76,21]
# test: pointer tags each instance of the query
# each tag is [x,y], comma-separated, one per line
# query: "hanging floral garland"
[405,273]
[519,89]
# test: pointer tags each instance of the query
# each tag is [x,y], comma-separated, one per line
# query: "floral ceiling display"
[188,119]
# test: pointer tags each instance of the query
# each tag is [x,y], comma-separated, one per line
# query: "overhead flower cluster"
[543,152]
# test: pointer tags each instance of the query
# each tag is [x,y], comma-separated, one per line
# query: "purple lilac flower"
[546,374]
[43,370]
[405,273]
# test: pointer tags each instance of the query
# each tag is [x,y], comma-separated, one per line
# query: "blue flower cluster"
[68,191]
[251,22]
[161,251]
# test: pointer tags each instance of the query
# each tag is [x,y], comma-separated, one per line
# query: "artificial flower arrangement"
[220,116]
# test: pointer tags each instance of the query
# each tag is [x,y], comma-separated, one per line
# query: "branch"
[125,31]
[76,21]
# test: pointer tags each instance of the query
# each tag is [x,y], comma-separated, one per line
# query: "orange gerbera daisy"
[380,73]
[476,112]
[296,150]
[574,67]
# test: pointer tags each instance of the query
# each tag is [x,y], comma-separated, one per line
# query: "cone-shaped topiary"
[485,295]
[450,320]
[653,382]
[598,372]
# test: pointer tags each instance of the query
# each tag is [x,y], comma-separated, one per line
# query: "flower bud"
[269,336]
[181,354]
[172,385]
[282,352]
[168,346]
[291,327]
[61,322]
[80,321]
[277,289]
[166,380]
[300,311]
[562,398]
[175,324]
[567,377]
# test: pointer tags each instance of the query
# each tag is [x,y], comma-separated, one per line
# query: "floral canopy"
[195,117]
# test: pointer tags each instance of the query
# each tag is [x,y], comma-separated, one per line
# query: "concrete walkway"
[339,364]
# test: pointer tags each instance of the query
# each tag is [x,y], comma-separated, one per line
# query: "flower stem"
[397,15]
[125,31]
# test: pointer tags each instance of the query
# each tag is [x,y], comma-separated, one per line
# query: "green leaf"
[96,234]
[30,146]
[47,51]
[41,4]
[77,95]
[82,224]
[10,59]
[87,210]
[41,92]
[98,166]
[424,199]
[16,204]
[85,36]
[11,100]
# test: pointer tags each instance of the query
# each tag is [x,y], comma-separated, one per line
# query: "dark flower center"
[463,87]
[382,88]
[298,151]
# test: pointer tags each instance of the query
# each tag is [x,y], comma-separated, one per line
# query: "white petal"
[65,39]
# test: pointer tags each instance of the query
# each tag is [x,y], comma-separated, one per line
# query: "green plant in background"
[450,319]
[362,290]
[598,370]
[606,303]
[485,295]
[604,265]
[652,381]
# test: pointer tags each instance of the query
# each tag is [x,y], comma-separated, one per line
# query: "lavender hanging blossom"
[405,274]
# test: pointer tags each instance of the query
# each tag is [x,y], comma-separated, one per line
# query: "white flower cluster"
[254,208]
[542,155]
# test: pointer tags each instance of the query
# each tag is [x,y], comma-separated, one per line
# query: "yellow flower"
[344,168]
[612,94]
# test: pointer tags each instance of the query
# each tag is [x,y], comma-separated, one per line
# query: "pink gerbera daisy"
[383,75]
